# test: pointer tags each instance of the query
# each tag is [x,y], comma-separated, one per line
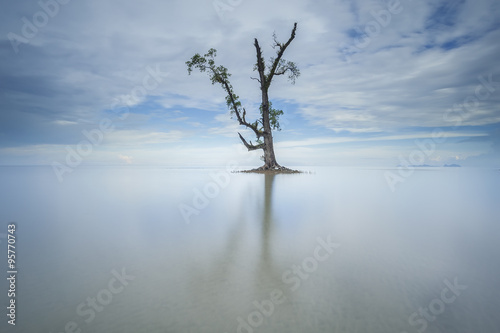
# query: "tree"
[269,119]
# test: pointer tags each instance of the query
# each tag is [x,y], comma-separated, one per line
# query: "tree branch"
[282,71]
[260,64]
[275,39]
[220,74]
[277,60]
[241,118]
[250,146]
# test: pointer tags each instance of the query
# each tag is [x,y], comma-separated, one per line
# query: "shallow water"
[204,250]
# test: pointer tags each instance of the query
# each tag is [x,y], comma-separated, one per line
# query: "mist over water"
[144,249]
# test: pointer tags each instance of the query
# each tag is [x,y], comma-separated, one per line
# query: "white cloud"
[334,140]
[143,137]
[125,158]
[64,122]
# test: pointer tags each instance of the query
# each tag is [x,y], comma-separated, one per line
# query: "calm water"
[165,250]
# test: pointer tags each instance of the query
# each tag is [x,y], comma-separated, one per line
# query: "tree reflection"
[243,270]
[266,260]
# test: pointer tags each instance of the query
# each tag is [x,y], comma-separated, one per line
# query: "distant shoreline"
[429,166]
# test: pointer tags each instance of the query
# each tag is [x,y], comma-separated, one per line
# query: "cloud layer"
[376,75]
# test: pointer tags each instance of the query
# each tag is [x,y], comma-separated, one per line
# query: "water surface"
[204,250]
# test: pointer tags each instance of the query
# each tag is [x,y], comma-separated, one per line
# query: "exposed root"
[272,170]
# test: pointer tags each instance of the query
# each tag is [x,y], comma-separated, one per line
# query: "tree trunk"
[269,158]
[279,67]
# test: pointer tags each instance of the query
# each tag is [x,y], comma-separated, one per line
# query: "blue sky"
[378,79]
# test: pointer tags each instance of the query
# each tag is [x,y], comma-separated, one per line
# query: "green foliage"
[285,67]
[274,115]
[217,74]
[229,102]
[200,62]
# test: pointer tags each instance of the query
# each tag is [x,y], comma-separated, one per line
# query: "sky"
[383,82]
